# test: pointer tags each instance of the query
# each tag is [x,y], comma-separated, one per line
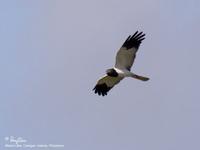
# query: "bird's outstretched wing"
[126,54]
[105,84]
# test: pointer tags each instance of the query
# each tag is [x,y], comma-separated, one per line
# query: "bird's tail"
[140,77]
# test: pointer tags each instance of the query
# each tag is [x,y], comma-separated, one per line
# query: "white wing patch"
[125,58]
[126,54]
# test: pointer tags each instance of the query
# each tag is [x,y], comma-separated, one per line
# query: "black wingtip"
[101,89]
[134,40]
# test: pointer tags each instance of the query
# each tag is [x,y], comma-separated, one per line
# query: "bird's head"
[111,72]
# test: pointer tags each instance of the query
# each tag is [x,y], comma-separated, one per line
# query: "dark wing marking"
[134,40]
[102,89]
[105,84]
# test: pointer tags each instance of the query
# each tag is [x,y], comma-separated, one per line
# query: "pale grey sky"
[52,53]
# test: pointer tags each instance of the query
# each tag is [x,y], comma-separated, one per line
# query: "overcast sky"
[53,52]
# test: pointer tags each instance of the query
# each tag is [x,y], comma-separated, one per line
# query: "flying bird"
[124,61]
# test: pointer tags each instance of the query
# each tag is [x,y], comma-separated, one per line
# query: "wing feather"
[105,84]
[127,53]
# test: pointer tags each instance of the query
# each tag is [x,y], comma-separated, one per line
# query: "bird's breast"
[123,72]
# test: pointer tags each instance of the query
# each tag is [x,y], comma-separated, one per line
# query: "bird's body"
[124,61]
[123,72]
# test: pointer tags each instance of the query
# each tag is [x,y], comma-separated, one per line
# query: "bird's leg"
[140,77]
